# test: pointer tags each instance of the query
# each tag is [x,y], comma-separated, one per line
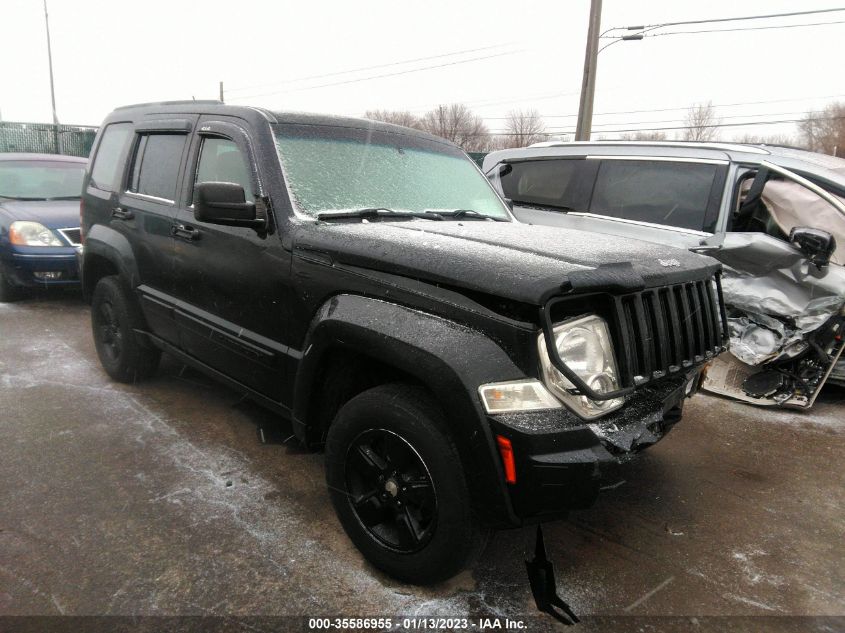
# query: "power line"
[747,28]
[364,68]
[735,19]
[382,76]
[681,127]
[734,116]
[717,105]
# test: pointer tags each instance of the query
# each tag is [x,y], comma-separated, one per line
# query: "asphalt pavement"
[159,499]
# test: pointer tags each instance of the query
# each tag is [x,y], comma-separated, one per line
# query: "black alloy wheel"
[116,319]
[391,491]
[110,334]
[397,483]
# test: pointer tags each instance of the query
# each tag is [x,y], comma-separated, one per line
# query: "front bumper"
[560,458]
[41,266]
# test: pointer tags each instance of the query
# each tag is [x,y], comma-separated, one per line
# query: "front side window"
[332,168]
[155,170]
[108,163]
[659,192]
[783,205]
[222,161]
[41,179]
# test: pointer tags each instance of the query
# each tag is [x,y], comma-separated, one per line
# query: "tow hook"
[541,577]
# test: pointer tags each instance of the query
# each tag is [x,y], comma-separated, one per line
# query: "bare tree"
[645,136]
[770,139]
[524,127]
[701,121]
[458,124]
[398,117]
[824,130]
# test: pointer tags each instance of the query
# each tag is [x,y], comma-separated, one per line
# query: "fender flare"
[450,359]
[107,243]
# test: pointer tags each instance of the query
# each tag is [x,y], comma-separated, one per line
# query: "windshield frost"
[343,174]
[40,180]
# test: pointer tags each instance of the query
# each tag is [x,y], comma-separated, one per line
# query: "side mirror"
[225,203]
[815,244]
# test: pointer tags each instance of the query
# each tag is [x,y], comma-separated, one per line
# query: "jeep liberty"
[463,371]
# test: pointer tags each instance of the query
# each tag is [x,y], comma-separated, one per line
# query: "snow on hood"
[519,261]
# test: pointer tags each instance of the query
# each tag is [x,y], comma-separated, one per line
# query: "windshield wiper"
[373,213]
[556,207]
[472,214]
[64,198]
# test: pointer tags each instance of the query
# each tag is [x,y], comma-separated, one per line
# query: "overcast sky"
[525,54]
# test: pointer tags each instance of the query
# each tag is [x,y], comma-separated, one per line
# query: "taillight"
[506,451]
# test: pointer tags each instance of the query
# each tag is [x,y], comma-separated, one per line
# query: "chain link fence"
[46,138]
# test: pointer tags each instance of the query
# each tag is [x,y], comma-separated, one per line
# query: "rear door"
[229,280]
[147,210]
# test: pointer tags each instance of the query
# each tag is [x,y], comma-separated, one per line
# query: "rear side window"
[222,161]
[155,171]
[108,163]
[555,183]
[659,192]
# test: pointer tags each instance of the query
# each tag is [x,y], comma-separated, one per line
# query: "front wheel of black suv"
[115,315]
[398,486]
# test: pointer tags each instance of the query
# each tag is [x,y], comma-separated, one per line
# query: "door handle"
[184,232]
[120,213]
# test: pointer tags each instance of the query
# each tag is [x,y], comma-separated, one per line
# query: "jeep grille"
[666,330]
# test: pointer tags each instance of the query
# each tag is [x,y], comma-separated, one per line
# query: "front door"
[229,281]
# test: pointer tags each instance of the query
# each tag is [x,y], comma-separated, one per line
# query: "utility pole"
[56,143]
[588,83]
[221,92]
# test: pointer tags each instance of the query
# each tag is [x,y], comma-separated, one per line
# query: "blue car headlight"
[23,233]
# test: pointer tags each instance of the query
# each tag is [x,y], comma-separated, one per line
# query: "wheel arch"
[387,342]
[107,252]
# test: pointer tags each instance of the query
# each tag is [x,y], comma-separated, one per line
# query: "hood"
[54,214]
[519,261]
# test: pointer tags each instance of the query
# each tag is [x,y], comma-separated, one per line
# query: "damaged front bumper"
[560,458]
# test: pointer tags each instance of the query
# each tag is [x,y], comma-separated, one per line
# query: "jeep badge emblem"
[668,263]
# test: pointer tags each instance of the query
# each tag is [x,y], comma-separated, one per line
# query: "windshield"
[332,168]
[40,180]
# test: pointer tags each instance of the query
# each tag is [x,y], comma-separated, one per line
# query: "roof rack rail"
[168,103]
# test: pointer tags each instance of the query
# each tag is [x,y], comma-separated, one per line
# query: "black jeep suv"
[462,370]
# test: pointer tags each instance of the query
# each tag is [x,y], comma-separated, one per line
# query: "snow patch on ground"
[752,572]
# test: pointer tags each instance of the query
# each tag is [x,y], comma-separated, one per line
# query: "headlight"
[32,234]
[584,345]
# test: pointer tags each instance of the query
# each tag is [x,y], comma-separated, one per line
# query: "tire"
[114,316]
[417,533]
[8,292]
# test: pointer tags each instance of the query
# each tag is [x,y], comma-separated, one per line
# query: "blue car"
[39,221]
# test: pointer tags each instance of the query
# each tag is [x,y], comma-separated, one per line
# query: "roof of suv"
[823,166]
[271,116]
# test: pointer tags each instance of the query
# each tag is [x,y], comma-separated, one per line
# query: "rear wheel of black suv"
[398,487]
[115,315]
